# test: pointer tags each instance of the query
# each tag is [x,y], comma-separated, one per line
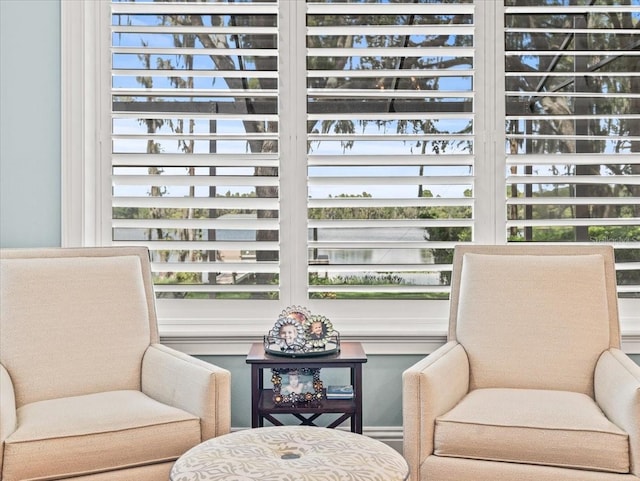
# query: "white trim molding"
[414,336]
[83,110]
[415,345]
[78,119]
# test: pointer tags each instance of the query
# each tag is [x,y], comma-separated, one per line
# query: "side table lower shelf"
[307,414]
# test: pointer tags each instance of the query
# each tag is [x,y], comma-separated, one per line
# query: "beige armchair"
[531,385]
[86,390]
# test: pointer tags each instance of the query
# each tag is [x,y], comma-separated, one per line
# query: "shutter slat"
[244,52]
[384,73]
[397,116]
[569,159]
[373,30]
[333,268]
[204,245]
[397,289]
[321,8]
[215,223]
[388,137]
[195,160]
[382,245]
[195,180]
[574,222]
[569,31]
[197,202]
[525,94]
[553,200]
[569,74]
[400,159]
[186,92]
[389,224]
[580,117]
[186,29]
[630,138]
[568,9]
[373,202]
[389,94]
[183,136]
[213,73]
[213,288]
[238,267]
[574,179]
[393,52]
[168,8]
[397,180]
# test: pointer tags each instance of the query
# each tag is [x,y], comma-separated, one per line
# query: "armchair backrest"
[535,317]
[75,321]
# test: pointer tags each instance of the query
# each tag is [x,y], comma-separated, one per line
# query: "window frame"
[200,328]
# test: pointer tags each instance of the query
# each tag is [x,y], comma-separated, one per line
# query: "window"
[331,153]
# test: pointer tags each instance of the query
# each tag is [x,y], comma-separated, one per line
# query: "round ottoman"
[291,453]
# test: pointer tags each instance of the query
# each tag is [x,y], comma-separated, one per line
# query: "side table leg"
[356,380]
[256,389]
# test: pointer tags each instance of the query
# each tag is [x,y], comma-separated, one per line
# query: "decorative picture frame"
[299,313]
[296,385]
[318,331]
[297,333]
[289,333]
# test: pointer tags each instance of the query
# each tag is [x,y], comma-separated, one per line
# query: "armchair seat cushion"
[96,432]
[530,426]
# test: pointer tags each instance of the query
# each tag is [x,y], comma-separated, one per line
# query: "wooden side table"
[351,356]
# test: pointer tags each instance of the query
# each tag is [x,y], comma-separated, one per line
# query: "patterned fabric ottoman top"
[291,453]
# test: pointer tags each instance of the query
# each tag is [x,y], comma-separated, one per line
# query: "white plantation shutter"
[195,138]
[573,129]
[390,110]
[330,154]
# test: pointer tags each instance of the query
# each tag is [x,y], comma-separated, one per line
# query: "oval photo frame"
[318,331]
[298,313]
[289,332]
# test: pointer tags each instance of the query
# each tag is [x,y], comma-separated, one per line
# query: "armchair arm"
[183,381]
[431,387]
[617,392]
[8,416]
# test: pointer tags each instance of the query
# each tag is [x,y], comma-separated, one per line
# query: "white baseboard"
[390,435]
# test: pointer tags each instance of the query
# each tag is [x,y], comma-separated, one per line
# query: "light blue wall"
[29,123]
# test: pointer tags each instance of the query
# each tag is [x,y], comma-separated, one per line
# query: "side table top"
[349,352]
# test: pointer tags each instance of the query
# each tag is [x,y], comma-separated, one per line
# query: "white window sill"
[379,336]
